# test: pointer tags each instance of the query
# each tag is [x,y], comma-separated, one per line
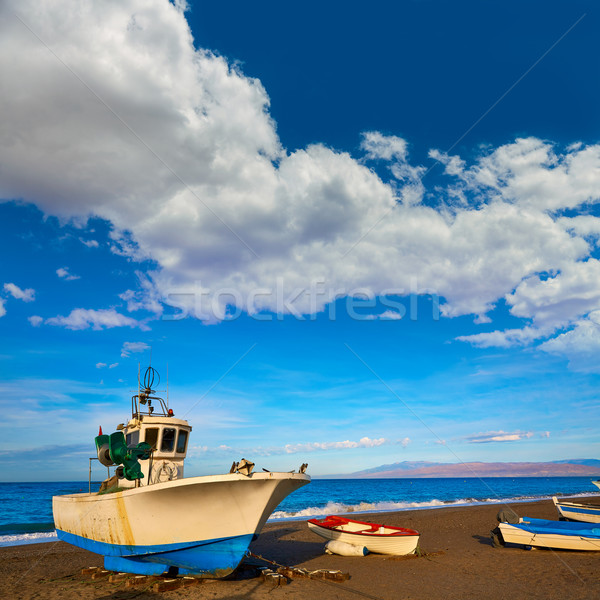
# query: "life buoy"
[163,471]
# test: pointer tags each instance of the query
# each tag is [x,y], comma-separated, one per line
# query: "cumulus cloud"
[147,297]
[35,320]
[581,345]
[499,436]
[379,146]
[2,309]
[566,299]
[504,339]
[364,442]
[127,121]
[102,365]
[89,243]
[27,295]
[82,318]
[63,273]
[133,348]
[387,315]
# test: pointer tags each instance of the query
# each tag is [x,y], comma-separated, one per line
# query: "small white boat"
[381,539]
[148,519]
[587,513]
[560,535]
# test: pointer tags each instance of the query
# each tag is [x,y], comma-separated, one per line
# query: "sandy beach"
[459,563]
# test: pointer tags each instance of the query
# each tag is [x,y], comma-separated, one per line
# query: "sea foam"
[333,508]
[28,538]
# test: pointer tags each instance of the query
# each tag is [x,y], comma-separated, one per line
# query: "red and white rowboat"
[381,539]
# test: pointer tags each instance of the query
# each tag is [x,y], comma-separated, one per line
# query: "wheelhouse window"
[168,440]
[133,438]
[151,437]
[181,441]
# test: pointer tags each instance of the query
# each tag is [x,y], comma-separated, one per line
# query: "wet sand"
[460,563]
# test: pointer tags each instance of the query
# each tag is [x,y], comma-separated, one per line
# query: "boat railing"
[145,396]
[145,399]
[90,473]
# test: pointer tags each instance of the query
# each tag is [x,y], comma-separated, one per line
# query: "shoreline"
[460,563]
[303,518]
[449,504]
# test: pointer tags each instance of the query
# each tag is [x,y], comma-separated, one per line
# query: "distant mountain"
[591,462]
[580,467]
[403,466]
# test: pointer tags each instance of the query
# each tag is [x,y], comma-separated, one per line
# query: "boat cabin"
[156,425]
[168,437]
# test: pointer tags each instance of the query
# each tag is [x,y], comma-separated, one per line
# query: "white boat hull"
[201,525]
[585,513]
[397,545]
[556,536]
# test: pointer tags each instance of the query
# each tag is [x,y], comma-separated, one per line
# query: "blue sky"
[355,234]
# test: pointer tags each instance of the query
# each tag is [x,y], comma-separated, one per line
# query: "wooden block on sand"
[174,584]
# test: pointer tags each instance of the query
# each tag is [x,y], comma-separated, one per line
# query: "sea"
[26,508]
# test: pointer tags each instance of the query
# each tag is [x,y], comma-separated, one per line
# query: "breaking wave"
[28,538]
[332,508]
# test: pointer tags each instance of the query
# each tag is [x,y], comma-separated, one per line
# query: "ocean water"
[26,508]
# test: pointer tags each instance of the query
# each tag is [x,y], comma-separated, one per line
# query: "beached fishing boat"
[148,519]
[560,535]
[381,539]
[587,513]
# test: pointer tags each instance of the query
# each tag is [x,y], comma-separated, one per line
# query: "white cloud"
[390,315]
[530,173]
[35,320]
[454,165]
[404,442]
[15,291]
[503,339]
[379,146]
[567,299]
[89,243]
[100,365]
[499,436]
[133,348]
[387,315]
[2,309]
[63,273]
[572,293]
[251,214]
[581,345]
[582,225]
[113,365]
[82,318]
[146,297]
[364,442]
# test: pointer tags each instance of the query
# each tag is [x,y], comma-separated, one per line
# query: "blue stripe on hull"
[583,511]
[208,558]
